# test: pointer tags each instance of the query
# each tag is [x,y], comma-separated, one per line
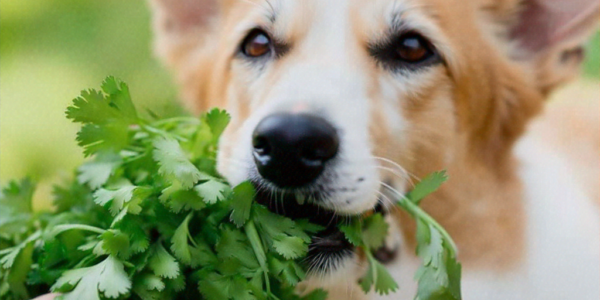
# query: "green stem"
[62,228]
[177,119]
[372,262]
[417,212]
[259,251]
[163,133]
[273,296]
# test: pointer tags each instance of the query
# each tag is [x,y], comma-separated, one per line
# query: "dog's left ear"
[552,34]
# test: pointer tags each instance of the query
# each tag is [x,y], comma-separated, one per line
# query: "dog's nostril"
[290,150]
[261,146]
[323,151]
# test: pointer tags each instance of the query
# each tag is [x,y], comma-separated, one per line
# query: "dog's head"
[332,99]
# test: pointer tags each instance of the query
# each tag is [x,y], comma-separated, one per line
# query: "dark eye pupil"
[257,44]
[412,49]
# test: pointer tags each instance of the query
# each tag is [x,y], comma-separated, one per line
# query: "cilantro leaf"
[108,277]
[119,97]
[146,286]
[234,244]
[290,247]
[179,242]
[242,203]
[116,243]
[353,232]
[178,199]
[217,121]
[438,267]
[15,201]
[93,107]
[117,197]
[427,186]
[174,162]
[74,196]
[109,137]
[289,271]
[106,118]
[215,287]
[377,276]
[374,232]
[212,191]
[20,268]
[439,274]
[130,226]
[162,263]
[96,173]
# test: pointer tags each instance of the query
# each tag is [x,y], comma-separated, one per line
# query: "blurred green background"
[51,49]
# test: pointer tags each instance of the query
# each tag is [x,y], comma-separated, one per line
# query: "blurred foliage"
[51,49]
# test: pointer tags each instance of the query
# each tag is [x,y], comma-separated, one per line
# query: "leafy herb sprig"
[148,217]
[439,274]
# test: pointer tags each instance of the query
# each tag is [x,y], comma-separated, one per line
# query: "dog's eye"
[413,48]
[257,44]
[405,52]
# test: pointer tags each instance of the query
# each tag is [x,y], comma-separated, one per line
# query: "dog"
[349,102]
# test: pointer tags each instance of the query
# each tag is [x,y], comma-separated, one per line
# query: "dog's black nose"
[290,150]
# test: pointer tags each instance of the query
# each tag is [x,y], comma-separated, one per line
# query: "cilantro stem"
[62,228]
[163,133]
[417,212]
[372,262]
[177,119]
[259,251]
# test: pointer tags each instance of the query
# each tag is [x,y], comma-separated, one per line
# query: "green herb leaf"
[179,242]
[374,232]
[162,263]
[15,201]
[115,243]
[212,191]
[173,162]
[96,173]
[242,203]
[107,277]
[353,232]
[439,274]
[217,120]
[427,186]
[117,196]
[290,247]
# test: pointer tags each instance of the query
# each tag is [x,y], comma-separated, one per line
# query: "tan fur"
[571,125]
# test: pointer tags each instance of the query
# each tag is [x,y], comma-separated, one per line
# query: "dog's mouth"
[329,246]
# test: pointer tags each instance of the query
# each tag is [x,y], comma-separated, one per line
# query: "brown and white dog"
[345,102]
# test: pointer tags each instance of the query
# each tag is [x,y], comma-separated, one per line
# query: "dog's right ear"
[551,34]
[180,26]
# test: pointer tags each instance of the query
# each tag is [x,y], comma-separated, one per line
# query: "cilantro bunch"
[148,217]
